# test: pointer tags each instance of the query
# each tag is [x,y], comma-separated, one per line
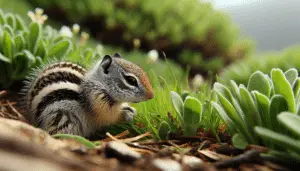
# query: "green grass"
[151,113]
[165,77]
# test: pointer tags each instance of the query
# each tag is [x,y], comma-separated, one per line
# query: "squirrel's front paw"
[128,113]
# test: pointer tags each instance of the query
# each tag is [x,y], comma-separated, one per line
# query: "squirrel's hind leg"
[57,119]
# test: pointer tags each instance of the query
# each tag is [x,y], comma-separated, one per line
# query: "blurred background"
[201,39]
[272,23]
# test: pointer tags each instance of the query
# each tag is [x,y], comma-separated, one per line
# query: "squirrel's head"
[123,80]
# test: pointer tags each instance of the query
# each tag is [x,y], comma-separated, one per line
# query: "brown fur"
[139,72]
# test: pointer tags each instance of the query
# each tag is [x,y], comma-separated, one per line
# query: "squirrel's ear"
[117,55]
[105,63]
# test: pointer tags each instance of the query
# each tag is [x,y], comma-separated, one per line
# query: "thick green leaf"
[190,130]
[22,62]
[291,75]
[192,110]
[184,94]
[9,29]
[260,83]
[281,140]
[290,121]
[30,56]
[229,109]
[19,23]
[10,20]
[282,86]
[234,116]
[278,105]
[8,45]
[250,109]
[60,49]
[163,130]
[235,89]
[231,126]
[35,35]
[19,43]
[42,49]
[177,104]
[239,141]
[263,106]
[220,88]
[297,88]
[4,58]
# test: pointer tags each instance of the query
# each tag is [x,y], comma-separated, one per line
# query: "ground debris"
[117,149]
[23,147]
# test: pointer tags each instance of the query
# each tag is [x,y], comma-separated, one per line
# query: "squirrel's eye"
[131,80]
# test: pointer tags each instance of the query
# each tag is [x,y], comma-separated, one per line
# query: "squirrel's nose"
[150,94]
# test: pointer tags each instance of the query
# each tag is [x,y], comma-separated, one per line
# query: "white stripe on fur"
[50,88]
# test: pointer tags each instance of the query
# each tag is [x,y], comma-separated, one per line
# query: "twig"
[15,110]
[122,134]
[111,137]
[257,148]
[142,151]
[161,142]
[142,147]
[7,104]
[129,139]
[251,156]
[173,144]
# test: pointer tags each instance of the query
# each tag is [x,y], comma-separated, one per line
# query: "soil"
[23,147]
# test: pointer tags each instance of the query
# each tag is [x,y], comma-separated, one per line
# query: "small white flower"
[75,28]
[37,16]
[31,15]
[39,11]
[44,18]
[197,81]
[65,31]
[152,56]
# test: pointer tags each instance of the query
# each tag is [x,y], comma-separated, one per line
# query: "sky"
[231,3]
[273,24]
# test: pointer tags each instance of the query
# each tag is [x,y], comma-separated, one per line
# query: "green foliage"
[23,48]
[209,37]
[160,117]
[26,46]
[79,139]
[242,69]
[190,111]
[163,130]
[257,107]
[288,142]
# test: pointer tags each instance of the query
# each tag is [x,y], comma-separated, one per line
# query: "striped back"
[59,81]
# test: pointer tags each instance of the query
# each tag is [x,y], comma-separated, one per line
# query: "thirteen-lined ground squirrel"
[65,98]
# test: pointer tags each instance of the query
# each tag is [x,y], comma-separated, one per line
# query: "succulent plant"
[23,48]
[253,114]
